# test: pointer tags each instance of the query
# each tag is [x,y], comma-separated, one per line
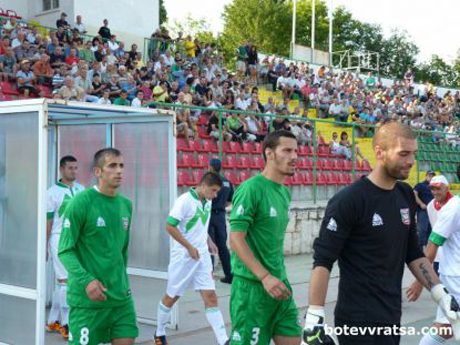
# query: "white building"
[129,20]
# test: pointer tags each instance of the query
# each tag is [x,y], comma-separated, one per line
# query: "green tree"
[438,72]
[163,13]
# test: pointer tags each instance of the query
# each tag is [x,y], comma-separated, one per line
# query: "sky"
[433,25]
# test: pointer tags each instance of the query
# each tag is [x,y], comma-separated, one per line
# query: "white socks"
[163,318]
[432,339]
[55,306]
[215,319]
[63,301]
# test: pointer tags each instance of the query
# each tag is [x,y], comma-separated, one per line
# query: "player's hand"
[193,252]
[212,248]
[449,306]
[275,287]
[414,292]
[95,291]
[313,332]
[423,207]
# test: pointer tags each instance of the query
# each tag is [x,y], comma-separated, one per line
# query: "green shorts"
[257,317]
[92,326]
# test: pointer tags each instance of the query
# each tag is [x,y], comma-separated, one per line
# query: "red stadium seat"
[321,179]
[342,179]
[320,164]
[244,162]
[209,146]
[302,163]
[337,164]
[347,165]
[323,151]
[327,165]
[197,175]
[235,147]
[297,179]
[303,150]
[332,179]
[46,90]
[232,177]
[202,133]
[308,178]
[244,175]
[182,145]
[5,87]
[229,162]
[194,145]
[358,165]
[247,147]
[203,161]
[366,165]
[225,147]
[257,148]
[5,97]
[258,163]
[183,178]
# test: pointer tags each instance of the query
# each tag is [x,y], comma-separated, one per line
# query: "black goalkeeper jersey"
[372,233]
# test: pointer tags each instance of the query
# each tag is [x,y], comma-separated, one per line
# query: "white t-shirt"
[58,197]
[169,61]
[136,103]
[191,217]
[446,234]
[335,109]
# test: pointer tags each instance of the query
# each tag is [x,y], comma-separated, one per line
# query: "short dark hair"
[211,179]
[64,160]
[272,140]
[101,155]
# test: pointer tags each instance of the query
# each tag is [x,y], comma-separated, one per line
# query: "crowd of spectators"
[185,71]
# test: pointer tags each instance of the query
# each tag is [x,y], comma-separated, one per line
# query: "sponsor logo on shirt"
[273,212]
[240,210]
[377,220]
[332,225]
[405,218]
[100,222]
[66,223]
[236,336]
[125,223]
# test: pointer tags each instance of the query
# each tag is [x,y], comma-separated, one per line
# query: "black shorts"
[366,338]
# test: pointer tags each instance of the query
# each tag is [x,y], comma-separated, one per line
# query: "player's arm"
[50,210]
[126,244]
[74,220]
[335,229]
[419,201]
[176,234]
[241,220]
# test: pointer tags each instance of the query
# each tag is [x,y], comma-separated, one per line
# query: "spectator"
[113,45]
[423,197]
[59,77]
[160,92]
[26,79]
[241,60]
[11,25]
[105,100]
[104,31]
[70,92]
[62,22]
[122,100]
[86,54]
[138,100]
[43,71]
[25,52]
[337,149]
[72,58]
[83,82]
[8,65]
[80,26]
[253,61]
[57,59]
[236,127]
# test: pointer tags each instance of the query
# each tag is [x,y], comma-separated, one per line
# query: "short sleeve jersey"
[58,198]
[261,208]
[191,216]
[446,234]
[94,245]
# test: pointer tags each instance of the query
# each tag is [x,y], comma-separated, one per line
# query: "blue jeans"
[423,227]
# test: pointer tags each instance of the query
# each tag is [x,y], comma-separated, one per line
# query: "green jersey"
[261,208]
[94,245]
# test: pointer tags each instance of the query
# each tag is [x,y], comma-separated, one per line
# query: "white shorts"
[183,271]
[59,271]
[452,284]
[241,66]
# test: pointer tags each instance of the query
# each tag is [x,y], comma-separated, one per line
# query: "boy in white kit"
[58,197]
[444,212]
[190,261]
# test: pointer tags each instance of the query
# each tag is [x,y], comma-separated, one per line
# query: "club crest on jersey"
[240,210]
[125,223]
[405,217]
[100,222]
[236,336]
[273,212]
[332,225]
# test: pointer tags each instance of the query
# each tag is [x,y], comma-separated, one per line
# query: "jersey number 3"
[255,335]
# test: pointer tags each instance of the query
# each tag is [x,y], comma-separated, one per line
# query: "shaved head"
[388,135]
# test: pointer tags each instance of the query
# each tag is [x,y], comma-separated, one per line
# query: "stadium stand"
[62,63]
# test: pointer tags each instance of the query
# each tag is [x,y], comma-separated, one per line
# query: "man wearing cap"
[423,197]
[26,79]
[218,227]
[444,216]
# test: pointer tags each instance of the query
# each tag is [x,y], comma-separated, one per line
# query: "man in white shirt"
[80,26]
[113,45]
[334,109]
[137,102]
[444,216]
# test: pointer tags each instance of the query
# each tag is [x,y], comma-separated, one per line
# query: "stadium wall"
[303,228]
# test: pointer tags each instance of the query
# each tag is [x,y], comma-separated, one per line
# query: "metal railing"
[427,141]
